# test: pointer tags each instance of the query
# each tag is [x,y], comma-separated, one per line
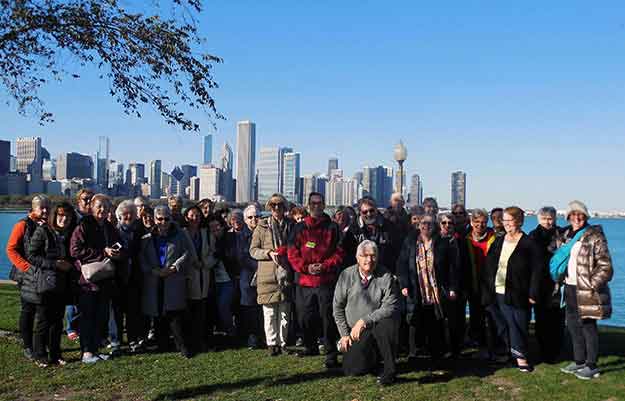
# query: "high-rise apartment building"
[458,188]
[28,155]
[291,176]
[226,182]
[246,160]
[155,179]
[102,159]
[209,181]
[137,173]
[416,190]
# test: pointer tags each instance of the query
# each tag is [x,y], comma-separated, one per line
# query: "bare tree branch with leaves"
[147,59]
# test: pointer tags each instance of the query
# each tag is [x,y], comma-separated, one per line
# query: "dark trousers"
[549,330]
[94,317]
[584,333]
[311,301]
[512,326]
[171,322]
[196,324]
[250,321]
[425,325]
[126,314]
[378,341]
[48,330]
[455,311]
[27,321]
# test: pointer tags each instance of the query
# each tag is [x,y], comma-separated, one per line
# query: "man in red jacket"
[315,254]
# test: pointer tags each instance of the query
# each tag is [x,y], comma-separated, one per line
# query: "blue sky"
[528,98]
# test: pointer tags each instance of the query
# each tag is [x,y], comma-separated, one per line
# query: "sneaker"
[103,357]
[299,342]
[572,368]
[28,353]
[41,363]
[90,360]
[385,380]
[526,368]
[59,362]
[587,373]
[252,342]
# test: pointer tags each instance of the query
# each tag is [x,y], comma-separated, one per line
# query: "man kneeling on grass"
[366,311]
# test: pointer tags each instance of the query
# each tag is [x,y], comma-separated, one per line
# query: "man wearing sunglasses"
[314,253]
[374,227]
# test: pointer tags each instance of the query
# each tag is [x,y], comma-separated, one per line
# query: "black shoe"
[187,353]
[386,380]
[332,364]
[307,352]
[286,351]
[526,368]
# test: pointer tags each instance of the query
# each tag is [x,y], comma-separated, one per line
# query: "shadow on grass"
[193,392]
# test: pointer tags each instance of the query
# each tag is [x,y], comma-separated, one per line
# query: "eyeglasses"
[368,211]
[161,218]
[86,200]
[253,217]
[275,205]
[445,223]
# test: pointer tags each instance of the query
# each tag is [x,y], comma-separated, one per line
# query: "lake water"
[613,228]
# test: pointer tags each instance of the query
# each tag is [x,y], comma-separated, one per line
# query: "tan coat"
[268,289]
[594,271]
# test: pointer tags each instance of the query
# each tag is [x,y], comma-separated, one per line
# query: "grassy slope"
[251,375]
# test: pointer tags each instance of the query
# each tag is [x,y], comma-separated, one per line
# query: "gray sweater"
[380,300]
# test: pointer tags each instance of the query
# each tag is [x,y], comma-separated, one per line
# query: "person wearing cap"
[274,275]
[585,260]
[22,271]
[549,315]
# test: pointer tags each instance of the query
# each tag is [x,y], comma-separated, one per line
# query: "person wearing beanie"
[583,250]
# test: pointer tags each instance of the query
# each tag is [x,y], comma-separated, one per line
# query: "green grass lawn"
[252,375]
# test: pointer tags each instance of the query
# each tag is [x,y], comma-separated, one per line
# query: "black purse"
[50,281]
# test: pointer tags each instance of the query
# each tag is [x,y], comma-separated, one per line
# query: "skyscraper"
[458,188]
[269,172]
[5,157]
[116,174]
[416,190]
[28,155]
[333,164]
[208,149]
[246,160]
[155,179]
[137,173]
[73,165]
[209,181]
[290,176]
[48,168]
[102,161]
[226,182]
[377,182]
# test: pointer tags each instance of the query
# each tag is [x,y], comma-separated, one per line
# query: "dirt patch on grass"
[506,386]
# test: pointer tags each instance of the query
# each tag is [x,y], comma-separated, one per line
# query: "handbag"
[96,271]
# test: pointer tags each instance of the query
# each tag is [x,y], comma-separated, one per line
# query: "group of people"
[367,283]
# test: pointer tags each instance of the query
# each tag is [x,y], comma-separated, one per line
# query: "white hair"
[366,244]
[123,206]
[251,210]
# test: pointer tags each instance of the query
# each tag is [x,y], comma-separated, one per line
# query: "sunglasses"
[161,218]
[275,205]
[445,223]
[368,211]
[253,217]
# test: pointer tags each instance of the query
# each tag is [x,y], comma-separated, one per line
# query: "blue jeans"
[72,319]
[512,326]
[225,293]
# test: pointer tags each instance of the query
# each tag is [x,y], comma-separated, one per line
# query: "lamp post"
[400,153]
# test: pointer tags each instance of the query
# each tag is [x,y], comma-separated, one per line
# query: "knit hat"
[577,206]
